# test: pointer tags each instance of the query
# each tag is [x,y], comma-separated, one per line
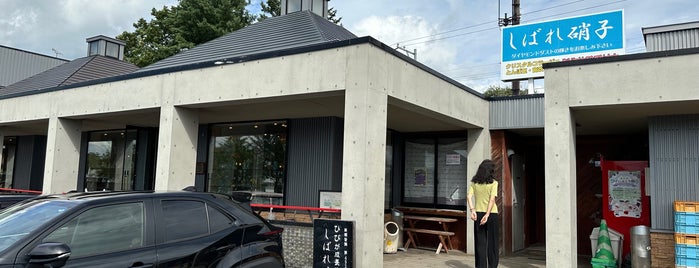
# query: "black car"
[137,229]
[7,199]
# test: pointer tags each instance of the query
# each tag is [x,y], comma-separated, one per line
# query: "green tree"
[499,91]
[273,8]
[270,8]
[183,26]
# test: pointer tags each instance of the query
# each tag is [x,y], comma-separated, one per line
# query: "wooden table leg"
[446,229]
[410,240]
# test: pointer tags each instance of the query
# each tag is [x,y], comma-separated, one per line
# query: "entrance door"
[518,202]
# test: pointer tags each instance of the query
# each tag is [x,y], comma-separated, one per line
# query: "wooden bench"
[443,236]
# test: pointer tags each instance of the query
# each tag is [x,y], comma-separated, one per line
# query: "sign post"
[333,243]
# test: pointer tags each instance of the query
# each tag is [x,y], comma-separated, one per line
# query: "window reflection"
[247,157]
[435,166]
[293,6]
[111,160]
[7,166]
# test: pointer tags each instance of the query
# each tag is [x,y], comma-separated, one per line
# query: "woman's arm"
[491,203]
[471,208]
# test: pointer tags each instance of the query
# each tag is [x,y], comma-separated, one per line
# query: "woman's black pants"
[486,239]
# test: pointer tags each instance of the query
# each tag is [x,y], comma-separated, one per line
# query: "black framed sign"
[333,243]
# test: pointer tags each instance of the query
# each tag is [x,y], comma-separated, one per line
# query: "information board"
[333,243]
[525,48]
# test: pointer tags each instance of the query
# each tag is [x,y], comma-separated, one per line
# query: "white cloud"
[394,29]
[41,26]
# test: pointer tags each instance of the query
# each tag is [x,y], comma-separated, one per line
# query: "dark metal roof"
[76,71]
[293,30]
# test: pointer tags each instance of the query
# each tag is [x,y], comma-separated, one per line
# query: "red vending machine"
[624,200]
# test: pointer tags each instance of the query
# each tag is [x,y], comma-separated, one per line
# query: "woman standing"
[485,214]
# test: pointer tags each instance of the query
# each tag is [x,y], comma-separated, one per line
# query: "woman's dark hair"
[485,173]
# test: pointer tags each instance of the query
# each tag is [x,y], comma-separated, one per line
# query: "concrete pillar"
[363,171]
[560,169]
[62,155]
[177,143]
[478,150]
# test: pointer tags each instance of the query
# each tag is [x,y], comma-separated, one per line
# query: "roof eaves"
[258,56]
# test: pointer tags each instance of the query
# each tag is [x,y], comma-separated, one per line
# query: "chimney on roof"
[319,7]
[105,46]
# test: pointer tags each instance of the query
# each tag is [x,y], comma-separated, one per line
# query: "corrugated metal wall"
[16,65]
[315,159]
[29,163]
[674,165]
[517,112]
[672,40]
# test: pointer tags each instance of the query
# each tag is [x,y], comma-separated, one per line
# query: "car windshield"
[20,220]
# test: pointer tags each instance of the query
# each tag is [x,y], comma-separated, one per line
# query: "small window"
[318,6]
[184,219]
[102,230]
[293,6]
[94,48]
[112,50]
[218,220]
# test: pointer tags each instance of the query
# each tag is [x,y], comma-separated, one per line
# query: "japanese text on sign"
[526,47]
[332,243]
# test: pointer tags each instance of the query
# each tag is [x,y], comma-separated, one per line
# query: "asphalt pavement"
[422,258]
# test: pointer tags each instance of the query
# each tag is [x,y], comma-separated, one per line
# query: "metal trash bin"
[640,246]
[617,240]
[390,237]
[397,217]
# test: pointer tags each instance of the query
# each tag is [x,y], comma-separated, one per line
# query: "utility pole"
[515,21]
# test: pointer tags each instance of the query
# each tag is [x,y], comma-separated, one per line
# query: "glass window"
[318,6]
[184,219]
[419,177]
[451,172]
[103,229]
[435,166]
[7,167]
[293,5]
[218,220]
[248,157]
[111,160]
[18,221]
[94,48]
[112,50]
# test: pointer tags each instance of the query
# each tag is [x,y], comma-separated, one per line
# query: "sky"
[458,38]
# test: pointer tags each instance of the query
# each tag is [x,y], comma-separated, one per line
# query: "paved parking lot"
[421,258]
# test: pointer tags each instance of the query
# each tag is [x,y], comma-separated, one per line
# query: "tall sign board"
[333,243]
[526,47]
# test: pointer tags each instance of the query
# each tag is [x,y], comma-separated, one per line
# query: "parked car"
[8,199]
[137,229]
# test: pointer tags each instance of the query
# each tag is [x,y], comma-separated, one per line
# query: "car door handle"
[141,265]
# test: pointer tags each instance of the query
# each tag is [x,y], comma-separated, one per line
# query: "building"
[317,108]
[17,64]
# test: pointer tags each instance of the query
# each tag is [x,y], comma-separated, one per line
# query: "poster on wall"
[625,193]
[453,159]
[420,176]
[330,199]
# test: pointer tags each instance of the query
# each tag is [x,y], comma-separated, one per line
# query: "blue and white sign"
[526,47]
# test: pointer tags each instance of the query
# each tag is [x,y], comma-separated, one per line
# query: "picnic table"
[442,231]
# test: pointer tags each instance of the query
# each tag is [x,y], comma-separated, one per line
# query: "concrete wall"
[369,79]
[640,87]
